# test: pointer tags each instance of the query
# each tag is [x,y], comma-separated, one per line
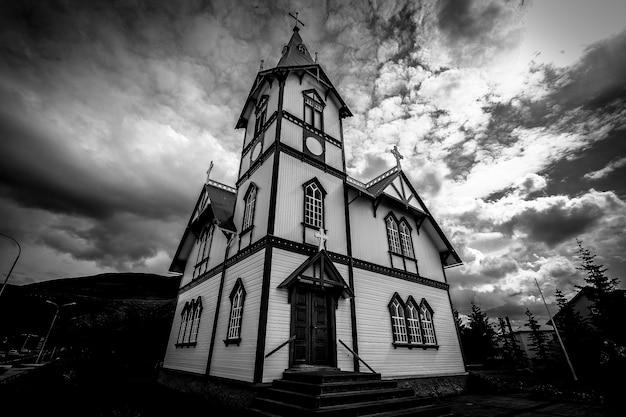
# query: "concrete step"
[329,376]
[336,398]
[328,387]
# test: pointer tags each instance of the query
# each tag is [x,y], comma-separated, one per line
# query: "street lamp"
[51,324]
[14,262]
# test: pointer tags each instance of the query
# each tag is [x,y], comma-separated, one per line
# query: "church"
[298,266]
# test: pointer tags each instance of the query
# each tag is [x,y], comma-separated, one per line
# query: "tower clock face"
[256,151]
[314,145]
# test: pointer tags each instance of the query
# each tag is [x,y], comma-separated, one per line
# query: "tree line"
[595,342]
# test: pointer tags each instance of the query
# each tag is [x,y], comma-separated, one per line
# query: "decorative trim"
[266,126]
[301,123]
[259,360]
[405,275]
[311,161]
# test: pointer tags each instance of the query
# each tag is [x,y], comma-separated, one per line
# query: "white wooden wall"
[193,359]
[272,106]
[232,361]
[279,317]
[293,102]
[279,313]
[262,177]
[290,203]
[369,238]
[373,293]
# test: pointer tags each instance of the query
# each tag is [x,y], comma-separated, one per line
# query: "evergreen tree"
[607,304]
[539,342]
[478,337]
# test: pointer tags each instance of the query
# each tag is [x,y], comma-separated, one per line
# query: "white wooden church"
[300,266]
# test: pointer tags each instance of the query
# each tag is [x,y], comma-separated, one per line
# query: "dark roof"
[222,203]
[292,53]
[220,207]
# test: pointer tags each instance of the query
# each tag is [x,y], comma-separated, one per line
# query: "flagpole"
[557,333]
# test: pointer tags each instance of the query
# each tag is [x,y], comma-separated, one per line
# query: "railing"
[286,342]
[357,356]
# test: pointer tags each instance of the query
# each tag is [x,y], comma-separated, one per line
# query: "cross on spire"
[208,172]
[396,153]
[296,19]
[321,236]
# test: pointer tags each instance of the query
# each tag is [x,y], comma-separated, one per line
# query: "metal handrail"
[291,339]
[357,356]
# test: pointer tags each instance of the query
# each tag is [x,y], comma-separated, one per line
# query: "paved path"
[500,406]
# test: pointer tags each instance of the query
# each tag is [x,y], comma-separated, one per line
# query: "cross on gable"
[208,172]
[322,237]
[297,20]
[396,155]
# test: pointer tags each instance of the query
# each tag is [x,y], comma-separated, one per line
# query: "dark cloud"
[556,223]
[598,78]
[466,20]
[497,267]
[40,172]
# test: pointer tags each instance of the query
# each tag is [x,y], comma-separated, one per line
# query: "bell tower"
[293,151]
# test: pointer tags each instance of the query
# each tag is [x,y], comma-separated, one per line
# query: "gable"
[318,271]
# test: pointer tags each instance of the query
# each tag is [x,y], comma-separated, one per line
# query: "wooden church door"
[313,325]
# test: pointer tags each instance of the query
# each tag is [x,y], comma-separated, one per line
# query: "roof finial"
[261,66]
[208,172]
[297,21]
[316,61]
[397,155]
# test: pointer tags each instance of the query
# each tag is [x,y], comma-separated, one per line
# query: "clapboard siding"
[369,238]
[262,177]
[344,332]
[334,156]
[291,135]
[237,362]
[294,103]
[373,293]
[290,203]
[193,359]
[279,313]
[272,106]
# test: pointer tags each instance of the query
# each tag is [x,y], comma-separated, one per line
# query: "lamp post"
[58,307]
[19,248]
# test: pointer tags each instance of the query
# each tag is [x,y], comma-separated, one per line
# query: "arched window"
[413,321]
[314,204]
[204,248]
[189,323]
[426,319]
[393,237]
[237,298]
[405,239]
[249,205]
[398,323]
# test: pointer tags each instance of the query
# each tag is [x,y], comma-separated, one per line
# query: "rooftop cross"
[297,20]
[321,236]
[396,155]
[208,172]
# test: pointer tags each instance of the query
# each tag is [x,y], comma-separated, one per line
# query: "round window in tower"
[256,151]
[314,146]
[302,48]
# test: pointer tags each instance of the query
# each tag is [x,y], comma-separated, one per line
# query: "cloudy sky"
[511,116]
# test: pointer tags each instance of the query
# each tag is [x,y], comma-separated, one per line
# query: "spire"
[295,52]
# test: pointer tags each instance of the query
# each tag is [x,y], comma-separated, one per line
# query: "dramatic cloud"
[506,112]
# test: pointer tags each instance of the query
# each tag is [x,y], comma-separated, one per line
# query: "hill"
[122,318]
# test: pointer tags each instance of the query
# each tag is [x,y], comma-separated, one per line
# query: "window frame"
[395,324]
[249,209]
[206,240]
[411,303]
[322,217]
[236,338]
[260,113]
[191,315]
[313,101]
[391,219]
[406,241]
[424,306]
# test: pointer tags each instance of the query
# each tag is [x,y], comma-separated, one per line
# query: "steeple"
[295,52]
